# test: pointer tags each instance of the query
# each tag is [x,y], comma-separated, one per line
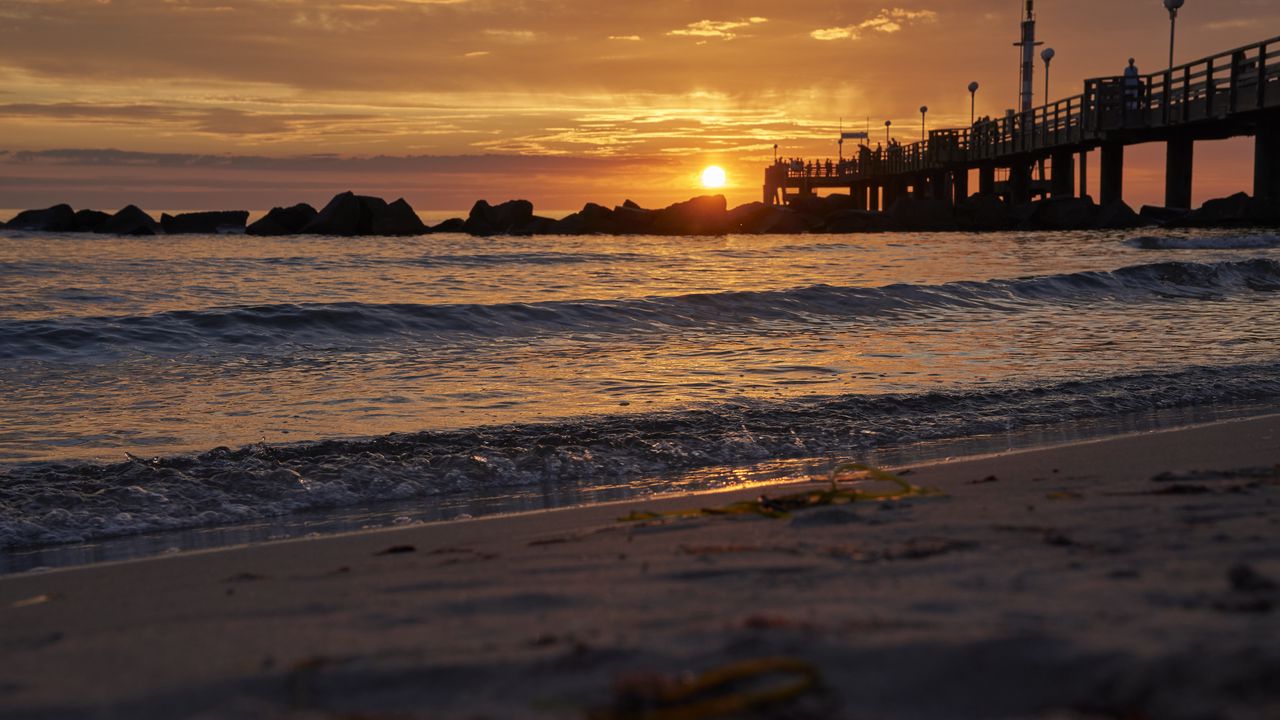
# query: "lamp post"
[1173,6]
[1047,57]
[924,110]
[887,123]
[973,100]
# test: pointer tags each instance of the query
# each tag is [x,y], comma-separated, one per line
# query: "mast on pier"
[1028,44]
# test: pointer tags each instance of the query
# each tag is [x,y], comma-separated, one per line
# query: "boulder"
[452,225]
[59,218]
[593,219]
[506,219]
[215,222]
[346,215]
[130,221]
[983,212]
[1239,210]
[397,218]
[853,221]
[88,221]
[632,219]
[538,225]
[284,221]
[705,215]
[758,218]
[921,215]
[820,207]
[1162,215]
[1118,216]
[1062,213]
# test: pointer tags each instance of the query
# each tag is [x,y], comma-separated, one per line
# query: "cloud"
[888,21]
[722,29]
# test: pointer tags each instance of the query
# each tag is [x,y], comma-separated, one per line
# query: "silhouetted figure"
[1132,86]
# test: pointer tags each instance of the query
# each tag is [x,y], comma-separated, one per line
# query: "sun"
[713,177]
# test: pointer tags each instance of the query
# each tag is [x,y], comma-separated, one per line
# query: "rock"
[397,218]
[1162,215]
[350,215]
[505,219]
[705,215]
[853,221]
[820,207]
[1063,213]
[88,221]
[757,218]
[633,219]
[346,215]
[983,213]
[216,222]
[283,221]
[538,225]
[59,218]
[1239,210]
[130,221]
[452,225]
[593,219]
[921,215]
[1118,216]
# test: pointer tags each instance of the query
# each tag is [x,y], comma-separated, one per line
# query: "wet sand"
[1132,577]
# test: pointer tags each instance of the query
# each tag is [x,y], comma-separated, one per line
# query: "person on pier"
[1132,86]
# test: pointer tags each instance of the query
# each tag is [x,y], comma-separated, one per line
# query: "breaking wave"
[335,325]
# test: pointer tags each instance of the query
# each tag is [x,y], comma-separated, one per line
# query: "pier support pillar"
[1177,173]
[1266,159]
[987,179]
[961,185]
[1084,173]
[1064,174]
[1111,188]
[1020,184]
[859,195]
[890,194]
[939,183]
[873,200]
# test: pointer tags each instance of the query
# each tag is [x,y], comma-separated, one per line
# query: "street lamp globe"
[1173,5]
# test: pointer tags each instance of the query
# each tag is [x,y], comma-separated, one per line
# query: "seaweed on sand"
[829,495]
[728,690]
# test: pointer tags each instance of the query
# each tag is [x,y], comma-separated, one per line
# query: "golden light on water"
[713,177]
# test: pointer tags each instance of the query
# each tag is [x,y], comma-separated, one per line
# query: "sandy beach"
[1132,577]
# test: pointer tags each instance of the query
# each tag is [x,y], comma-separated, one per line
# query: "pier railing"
[1215,88]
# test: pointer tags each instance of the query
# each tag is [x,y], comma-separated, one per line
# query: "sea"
[168,394]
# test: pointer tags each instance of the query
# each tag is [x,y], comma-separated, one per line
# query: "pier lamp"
[1047,57]
[924,110]
[1173,6]
[973,100]
[887,123]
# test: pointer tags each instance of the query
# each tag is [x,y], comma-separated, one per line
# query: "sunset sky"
[251,103]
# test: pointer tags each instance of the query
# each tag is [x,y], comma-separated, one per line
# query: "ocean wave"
[238,329]
[58,503]
[1225,242]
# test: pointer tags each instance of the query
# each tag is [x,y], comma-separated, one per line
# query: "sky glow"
[220,102]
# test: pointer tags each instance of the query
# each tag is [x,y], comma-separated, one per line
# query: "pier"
[1231,94]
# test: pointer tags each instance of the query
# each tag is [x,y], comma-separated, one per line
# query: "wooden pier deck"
[1234,93]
